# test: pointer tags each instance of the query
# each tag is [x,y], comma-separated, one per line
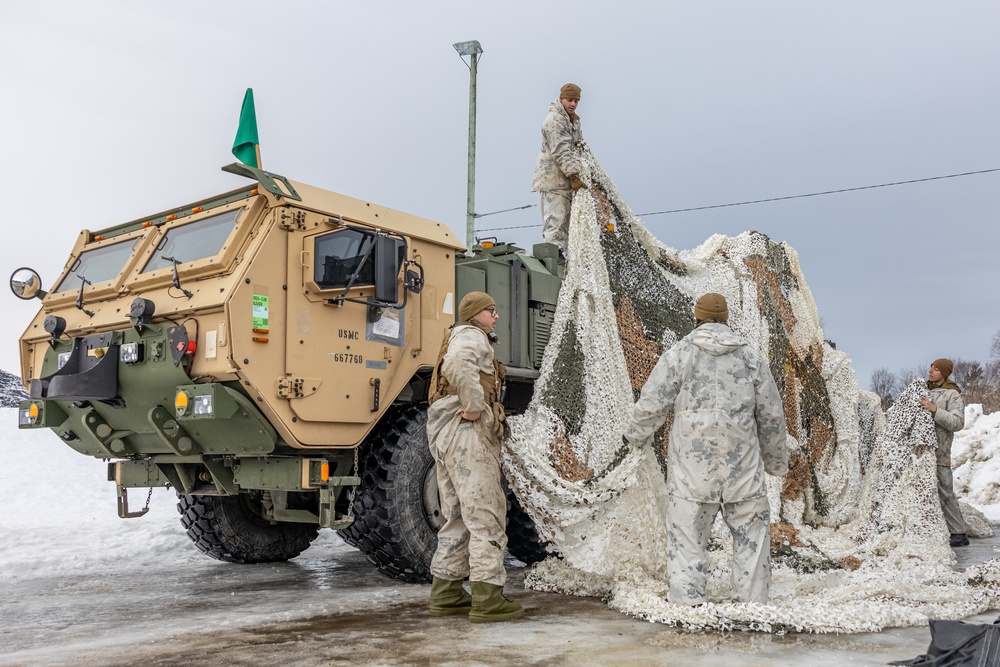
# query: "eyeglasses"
[493,310]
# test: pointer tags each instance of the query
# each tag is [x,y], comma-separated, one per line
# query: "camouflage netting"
[858,540]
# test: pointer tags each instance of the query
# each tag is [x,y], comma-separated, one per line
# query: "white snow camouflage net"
[858,543]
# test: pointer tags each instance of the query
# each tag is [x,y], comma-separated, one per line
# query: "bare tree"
[991,399]
[886,385]
[908,375]
[991,377]
[969,375]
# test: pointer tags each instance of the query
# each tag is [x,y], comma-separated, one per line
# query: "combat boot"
[448,598]
[490,605]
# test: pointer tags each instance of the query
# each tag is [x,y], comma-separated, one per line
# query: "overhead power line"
[755,201]
[506,210]
[826,192]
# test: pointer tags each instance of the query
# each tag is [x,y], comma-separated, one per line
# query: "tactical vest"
[492,384]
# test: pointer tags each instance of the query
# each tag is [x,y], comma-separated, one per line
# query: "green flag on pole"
[246,142]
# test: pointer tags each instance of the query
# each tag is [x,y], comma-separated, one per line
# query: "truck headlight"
[63,358]
[29,416]
[203,405]
[130,353]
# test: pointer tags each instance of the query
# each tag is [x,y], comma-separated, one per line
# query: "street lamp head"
[469,48]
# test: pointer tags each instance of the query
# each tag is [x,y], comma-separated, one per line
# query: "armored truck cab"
[266,352]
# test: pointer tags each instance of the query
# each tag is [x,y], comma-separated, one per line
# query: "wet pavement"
[329,607]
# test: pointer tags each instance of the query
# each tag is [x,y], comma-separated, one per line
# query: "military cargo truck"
[266,352]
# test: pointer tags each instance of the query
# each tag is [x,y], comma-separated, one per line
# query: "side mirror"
[26,284]
[387,269]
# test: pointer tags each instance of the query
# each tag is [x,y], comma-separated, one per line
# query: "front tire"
[231,528]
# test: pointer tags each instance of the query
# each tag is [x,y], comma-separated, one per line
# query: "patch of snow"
[975,459]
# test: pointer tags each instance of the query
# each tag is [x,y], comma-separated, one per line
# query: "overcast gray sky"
[116,110]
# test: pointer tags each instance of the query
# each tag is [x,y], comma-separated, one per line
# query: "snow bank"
[975,456]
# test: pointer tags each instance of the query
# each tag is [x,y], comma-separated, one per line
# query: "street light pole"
[473,50]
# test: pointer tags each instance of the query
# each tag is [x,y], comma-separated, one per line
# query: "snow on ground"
[61,515]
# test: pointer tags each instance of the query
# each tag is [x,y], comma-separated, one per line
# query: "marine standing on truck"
[560,168]
[465,427]
[728,429]
[948,410]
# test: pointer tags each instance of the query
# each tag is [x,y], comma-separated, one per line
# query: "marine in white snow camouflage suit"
[466,449]
[728,429]
[560,169]
[948,408]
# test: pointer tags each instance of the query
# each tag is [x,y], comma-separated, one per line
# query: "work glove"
[576,182]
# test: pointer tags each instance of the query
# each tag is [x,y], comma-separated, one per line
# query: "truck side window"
[196,240]
[338,256]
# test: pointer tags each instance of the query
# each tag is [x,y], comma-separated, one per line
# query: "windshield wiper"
[356,274]
[79,297]
[177,278]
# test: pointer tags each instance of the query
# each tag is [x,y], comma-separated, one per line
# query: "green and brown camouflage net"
[858,540]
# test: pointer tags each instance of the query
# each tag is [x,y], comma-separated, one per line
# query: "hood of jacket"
[716,339]
[557,107]
[947,384]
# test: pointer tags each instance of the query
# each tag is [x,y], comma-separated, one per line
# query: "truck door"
[342,353]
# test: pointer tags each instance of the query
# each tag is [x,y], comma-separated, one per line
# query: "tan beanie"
[570,91]
[945,366]
[711,306]
[472,304]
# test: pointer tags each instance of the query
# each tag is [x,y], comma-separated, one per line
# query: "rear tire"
[397,512]
[231,528]
[523,541]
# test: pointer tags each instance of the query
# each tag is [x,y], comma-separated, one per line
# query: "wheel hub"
[432,500]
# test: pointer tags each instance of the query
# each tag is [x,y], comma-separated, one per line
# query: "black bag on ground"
[959,644]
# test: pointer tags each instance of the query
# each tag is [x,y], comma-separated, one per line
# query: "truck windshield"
[196,240]
[97,265]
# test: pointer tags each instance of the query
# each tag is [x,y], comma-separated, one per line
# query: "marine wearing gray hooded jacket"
[728,430]
[560,168]
[948,410]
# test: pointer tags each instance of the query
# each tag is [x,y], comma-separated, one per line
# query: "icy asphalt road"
[329,607]
[81,587]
